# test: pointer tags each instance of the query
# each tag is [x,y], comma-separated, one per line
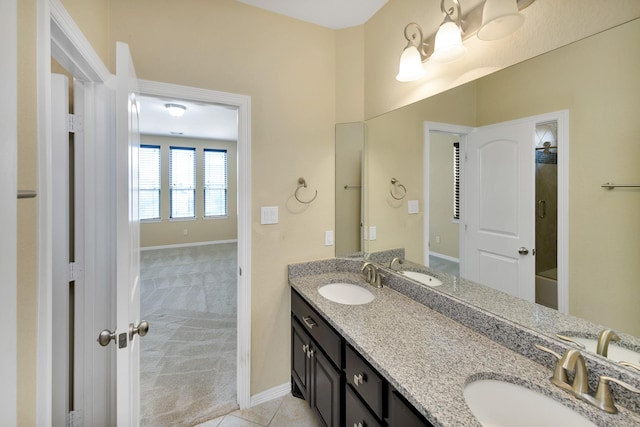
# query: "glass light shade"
[176,110]
[410,68]
[448,45]
[499,19]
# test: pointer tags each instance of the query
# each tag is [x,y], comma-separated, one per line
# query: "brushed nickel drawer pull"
[309,322]
[359,379]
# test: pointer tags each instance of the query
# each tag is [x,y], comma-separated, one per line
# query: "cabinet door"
[402,414]
[300,358]
[326,388]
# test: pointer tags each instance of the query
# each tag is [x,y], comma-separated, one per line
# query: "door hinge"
[75,271]
[466,157]
[74,123]
[75,419]
[240,270]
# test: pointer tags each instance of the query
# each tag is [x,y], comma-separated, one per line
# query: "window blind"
[149,182]
[182,182]
[456,180]
[215,183]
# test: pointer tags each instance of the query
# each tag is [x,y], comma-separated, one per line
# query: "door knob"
[523,251]
[141,329]
[106,337]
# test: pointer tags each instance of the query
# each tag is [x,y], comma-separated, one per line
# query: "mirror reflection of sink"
[422,278]
[346,293]
[614,352]
[499,403]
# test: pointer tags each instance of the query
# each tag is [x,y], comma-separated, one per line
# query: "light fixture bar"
[471,23]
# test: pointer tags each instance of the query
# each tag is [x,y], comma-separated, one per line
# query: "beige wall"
[441,196]
[548,25]
[395,149]
[289,69]
[171,232]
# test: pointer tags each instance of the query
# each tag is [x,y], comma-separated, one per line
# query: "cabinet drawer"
[356,413]
[318,328]
[365,381]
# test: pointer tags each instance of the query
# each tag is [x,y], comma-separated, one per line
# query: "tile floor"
[188,358]
[444,265]
[285,411]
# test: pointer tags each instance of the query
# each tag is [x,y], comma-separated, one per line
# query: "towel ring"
[396,184]
[303,184]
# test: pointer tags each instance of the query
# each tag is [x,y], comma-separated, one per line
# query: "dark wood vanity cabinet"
[341,387]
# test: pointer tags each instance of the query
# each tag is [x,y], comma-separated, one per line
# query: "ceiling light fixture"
[491,20]
[176,110]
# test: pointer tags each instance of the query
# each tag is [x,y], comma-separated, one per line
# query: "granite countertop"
[429,357]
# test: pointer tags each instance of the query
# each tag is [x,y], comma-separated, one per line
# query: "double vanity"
[404,354]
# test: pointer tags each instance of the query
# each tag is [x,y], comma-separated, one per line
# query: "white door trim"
[8,213]
[462,132]
[243,103]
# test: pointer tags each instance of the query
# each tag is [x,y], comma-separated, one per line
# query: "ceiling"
[220,122]
[200,120]
[335,14]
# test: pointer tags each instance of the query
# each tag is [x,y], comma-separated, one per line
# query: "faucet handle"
[559,377]
[603,397]
[631,365]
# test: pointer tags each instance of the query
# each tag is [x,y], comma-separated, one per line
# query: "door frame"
[8,213]
[462,132]
[57,36]
[562,117]
[243,103]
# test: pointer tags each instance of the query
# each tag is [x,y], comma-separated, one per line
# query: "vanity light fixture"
[491,20]
[176,110]
[448,45]
[499,19]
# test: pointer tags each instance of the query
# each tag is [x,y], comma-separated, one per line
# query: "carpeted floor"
[188,358]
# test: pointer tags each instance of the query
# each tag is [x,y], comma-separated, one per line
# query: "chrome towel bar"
[611,185]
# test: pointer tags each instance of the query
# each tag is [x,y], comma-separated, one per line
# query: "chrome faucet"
[606,336]
[573,360]
[394,260]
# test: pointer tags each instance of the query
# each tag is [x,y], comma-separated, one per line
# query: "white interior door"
[127,242]
[499,217]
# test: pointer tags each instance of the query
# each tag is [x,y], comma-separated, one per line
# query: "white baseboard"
[187,245]
[272,393]
[443,256]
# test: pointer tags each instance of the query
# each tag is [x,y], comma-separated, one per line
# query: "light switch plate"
[269,215]
[413,207]
[328,238]
[372,233]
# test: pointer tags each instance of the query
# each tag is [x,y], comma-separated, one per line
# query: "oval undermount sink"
[422,278]
[499,403]
[346,293]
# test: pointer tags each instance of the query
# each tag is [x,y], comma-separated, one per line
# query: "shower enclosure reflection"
[547,214]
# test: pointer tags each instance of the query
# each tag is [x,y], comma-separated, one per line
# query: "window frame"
[225,180]
[173,188]
[159,187]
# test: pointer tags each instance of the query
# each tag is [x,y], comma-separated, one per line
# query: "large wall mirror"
[595,80]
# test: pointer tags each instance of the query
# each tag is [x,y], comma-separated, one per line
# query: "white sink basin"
[422,278]
[614,351]
[499,403]
[346,293]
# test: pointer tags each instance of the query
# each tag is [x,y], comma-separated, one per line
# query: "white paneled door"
[129,326]
[500,193]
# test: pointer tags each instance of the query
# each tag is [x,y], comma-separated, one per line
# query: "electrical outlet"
[185,232]
[373,233]
[437,239]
